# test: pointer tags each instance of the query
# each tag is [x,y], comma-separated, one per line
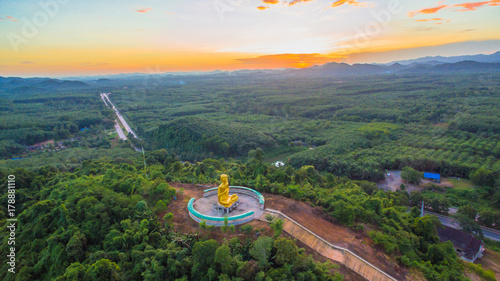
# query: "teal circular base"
[251,206]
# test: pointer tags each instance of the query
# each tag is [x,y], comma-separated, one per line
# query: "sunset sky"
[69,37]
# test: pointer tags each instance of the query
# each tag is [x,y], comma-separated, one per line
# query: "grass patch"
[461,184]
[492,245]
[112,136]
[488,275]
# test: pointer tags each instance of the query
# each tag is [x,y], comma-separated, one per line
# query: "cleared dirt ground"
[491,260]
[320,223]
[394,181]
[313,218]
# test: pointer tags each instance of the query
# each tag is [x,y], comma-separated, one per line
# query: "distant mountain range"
[422,66]
[18,85]
[493,58]
[335,69]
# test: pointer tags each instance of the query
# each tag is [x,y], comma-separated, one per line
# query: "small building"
[433,177]
[35,147]
[467,246]
[279,164]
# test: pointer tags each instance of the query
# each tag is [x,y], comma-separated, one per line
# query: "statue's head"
[223,178]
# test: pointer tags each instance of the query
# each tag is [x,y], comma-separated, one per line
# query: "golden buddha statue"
[224,198]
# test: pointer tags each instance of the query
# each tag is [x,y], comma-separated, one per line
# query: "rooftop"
[469,245]
[432,176]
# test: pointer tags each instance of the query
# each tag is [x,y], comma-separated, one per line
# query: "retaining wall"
[333,252]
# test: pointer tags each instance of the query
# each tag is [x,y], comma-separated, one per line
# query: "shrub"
[247,229]
[269,217]
[488,275]
[410,175]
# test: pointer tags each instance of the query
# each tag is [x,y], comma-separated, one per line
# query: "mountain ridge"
[425,65]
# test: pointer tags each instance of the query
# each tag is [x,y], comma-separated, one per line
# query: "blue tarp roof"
[432,176]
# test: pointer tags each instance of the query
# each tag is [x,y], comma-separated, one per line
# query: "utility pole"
[422,210]
[144,157]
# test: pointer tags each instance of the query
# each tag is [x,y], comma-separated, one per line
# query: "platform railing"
[218,221]
[239,190]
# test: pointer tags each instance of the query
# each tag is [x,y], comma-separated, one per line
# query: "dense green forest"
[28,119]
[104,220]
[351,127]
[97,208]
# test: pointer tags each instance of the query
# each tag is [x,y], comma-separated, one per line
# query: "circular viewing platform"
[251,205]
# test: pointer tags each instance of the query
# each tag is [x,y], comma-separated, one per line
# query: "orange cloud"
[9,18]
[287,60]
[474,5]
[348,2]
[427,10]
[145,10]
[465,7]
[293,2]
[297,2]
[470,6]
[430,19]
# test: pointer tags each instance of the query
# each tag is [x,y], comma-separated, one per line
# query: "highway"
[127,127]
[120,131]
[117,126]
[104,100]
[451,222]
[124,123]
